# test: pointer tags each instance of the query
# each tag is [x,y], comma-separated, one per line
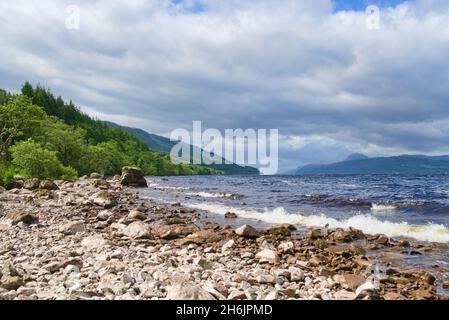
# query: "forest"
[42,136]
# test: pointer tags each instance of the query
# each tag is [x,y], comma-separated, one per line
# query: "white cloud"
[293,65]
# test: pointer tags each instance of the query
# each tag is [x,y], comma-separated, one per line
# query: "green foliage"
[7,174]
[44,137]
[4,96]
[34,161]
[18,117]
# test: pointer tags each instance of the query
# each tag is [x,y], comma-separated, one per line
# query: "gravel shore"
[96,239]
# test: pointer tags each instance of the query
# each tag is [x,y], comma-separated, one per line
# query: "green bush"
[34,161]
[7,177]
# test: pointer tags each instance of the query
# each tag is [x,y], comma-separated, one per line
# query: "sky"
[315,70]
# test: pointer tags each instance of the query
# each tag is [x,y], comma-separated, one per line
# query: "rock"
[430,279]
[392,272]
[72,228]
[71,269]
[137,230]
[228,246]
[393,296]
[18,182]
[403,244]
[11,282]
[237,295]
[356,249]
[203,263]
[296,274]
[100,183]
[350,281]
[382,240]
[369,288]
[344,295]
[31,184]
[93,242]
[341,236]
[231,215]
[314,234]
[356,234]
[265,279]
[48,185]
[104,215]
[422,294]
[282,230]
[136,215]
[133,177]
[117,254]
[286,247]
[203,236]
[17,216]
[174,232]
[9,277]
[247,231]
[53,267]
[104,199]
[95,175]
[272,295]
[187,291]
[268,256]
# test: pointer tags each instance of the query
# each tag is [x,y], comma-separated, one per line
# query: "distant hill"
[356,156]
[404,164]
[163,144]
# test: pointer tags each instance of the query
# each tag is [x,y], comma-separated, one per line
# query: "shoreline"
[95,239]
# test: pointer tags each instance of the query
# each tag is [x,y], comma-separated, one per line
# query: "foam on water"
[210,194]
[383,207]
[367,223]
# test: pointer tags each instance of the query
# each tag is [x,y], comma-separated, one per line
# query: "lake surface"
[396,205]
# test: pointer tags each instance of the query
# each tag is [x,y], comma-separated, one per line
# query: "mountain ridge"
[164,144]
[402,164]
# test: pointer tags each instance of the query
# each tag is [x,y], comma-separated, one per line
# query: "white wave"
[383,207]
[210,195]
[170,188]
[367,223]
[289,183]
[152,185]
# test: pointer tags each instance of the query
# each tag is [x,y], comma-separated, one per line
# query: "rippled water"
[396,205]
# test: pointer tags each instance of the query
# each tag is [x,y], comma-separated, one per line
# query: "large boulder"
[31,184]
[48,185]
[247,231]
[133,177]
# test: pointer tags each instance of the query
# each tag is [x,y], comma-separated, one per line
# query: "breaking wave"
[214,195]
[367,223]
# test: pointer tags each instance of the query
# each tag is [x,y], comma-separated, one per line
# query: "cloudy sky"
[312,69]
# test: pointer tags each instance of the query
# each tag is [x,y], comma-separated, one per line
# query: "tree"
[67,141]
[18,116]
[34,161]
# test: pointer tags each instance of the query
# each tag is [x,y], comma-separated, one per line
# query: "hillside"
[42,136]
[163,144]
[404,164]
